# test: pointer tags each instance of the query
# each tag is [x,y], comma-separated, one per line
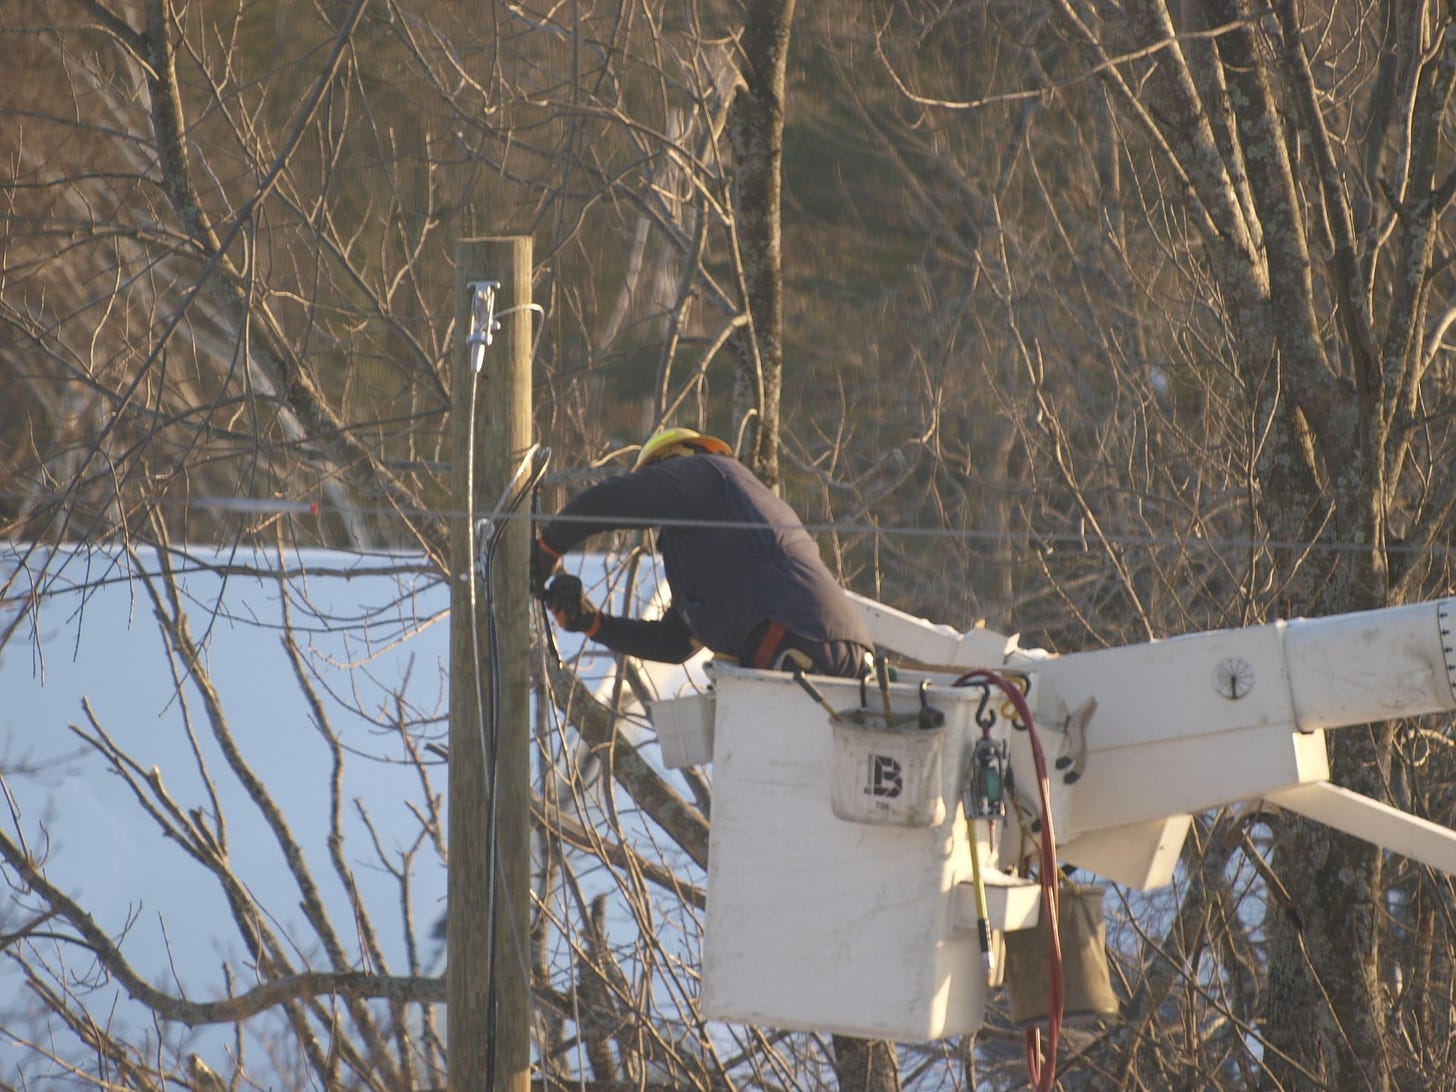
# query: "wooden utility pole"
[487,977]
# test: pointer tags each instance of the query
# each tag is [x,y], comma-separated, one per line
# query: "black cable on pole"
[478,339]
[523,482]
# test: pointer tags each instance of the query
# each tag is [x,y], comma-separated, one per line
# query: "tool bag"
[1086,984]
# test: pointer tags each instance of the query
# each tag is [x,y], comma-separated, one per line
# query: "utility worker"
[746,578]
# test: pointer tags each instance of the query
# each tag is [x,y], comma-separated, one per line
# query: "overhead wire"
[1047,541]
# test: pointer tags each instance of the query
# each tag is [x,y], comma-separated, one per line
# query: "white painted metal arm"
[937,645]
[1207,719]
[1372,665]
[1371,821]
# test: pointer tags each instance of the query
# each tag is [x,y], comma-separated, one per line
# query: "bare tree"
[1104,322]
[757,130]
[1217,260]
[304,979]
[244,337]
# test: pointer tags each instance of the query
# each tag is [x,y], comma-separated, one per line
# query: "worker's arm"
[674,489]
[667,639]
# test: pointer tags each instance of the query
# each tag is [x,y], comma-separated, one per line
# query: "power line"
[1043,541]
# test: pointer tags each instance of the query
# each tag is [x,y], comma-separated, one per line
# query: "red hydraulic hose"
[1041,1064]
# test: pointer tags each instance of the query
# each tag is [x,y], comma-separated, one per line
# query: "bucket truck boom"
[1172,727]
[841,869]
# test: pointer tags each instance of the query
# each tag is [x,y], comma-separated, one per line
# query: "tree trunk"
[866,1065]
[756,128]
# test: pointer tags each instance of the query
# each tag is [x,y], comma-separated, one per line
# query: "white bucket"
[684,730]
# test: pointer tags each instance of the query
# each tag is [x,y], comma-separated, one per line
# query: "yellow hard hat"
[662,443]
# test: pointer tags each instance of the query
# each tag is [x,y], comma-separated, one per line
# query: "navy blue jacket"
[735,555]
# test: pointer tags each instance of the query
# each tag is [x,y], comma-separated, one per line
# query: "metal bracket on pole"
[483,321]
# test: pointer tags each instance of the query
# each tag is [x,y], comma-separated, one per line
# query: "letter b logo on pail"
[886,778]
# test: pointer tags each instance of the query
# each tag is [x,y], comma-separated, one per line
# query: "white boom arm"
[847,891]
[1144,735]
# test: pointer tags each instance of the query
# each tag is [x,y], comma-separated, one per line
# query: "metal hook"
[985,718]
[929,717]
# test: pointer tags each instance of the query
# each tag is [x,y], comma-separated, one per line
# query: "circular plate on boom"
[1233,677]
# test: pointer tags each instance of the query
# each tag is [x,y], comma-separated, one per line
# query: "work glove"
[570,606]
[543,564]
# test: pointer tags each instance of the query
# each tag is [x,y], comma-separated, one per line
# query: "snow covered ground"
[84,658]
